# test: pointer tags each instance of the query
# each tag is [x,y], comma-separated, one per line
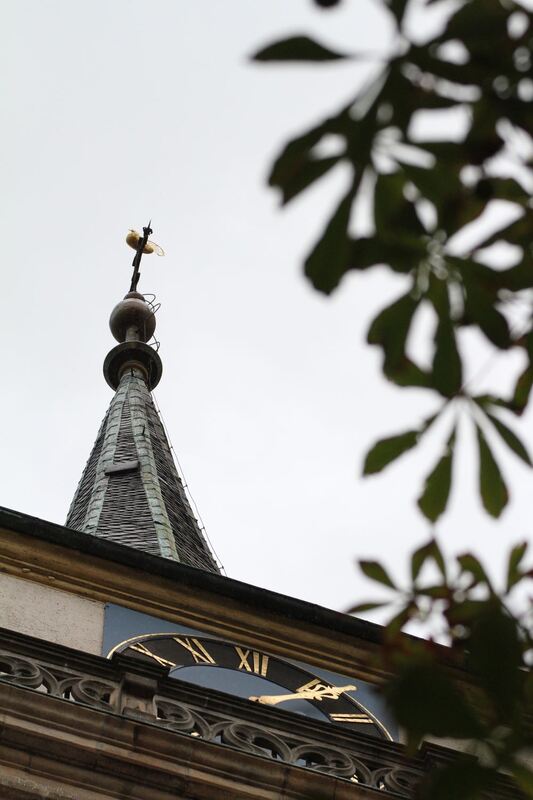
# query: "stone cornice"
[81,727]
[124,729]
[101,570]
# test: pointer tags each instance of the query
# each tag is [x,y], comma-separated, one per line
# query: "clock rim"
[169,635]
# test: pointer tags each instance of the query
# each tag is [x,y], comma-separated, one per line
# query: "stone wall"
[48,613]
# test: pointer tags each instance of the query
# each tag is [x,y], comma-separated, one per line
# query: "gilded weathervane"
[141,245]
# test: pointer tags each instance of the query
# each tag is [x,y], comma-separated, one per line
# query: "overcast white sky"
[114,112]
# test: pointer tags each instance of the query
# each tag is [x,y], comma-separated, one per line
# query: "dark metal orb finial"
[132,319]
[132,323]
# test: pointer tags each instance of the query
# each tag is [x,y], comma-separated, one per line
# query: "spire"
[130,491]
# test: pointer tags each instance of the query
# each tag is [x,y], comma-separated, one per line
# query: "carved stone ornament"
[127,688]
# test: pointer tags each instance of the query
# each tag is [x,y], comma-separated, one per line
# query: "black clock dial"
[277,683]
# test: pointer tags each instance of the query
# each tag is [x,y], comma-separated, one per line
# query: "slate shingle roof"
[130,491]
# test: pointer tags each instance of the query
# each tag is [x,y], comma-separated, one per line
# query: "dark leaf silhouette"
[297,48]
[492,488]
[436,492]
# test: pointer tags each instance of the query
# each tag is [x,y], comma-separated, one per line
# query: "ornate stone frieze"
[128,689]
[141,696]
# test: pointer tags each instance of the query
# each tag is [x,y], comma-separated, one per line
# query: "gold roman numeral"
[360,719]
[141,648]
[196,649]
[259,662]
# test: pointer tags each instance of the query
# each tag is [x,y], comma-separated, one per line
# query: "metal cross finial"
[136,263]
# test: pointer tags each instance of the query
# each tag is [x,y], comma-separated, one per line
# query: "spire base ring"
[133,355]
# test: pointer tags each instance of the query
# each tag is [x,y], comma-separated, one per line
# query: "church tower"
[131,669]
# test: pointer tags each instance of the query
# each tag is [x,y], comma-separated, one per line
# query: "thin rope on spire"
[186,486]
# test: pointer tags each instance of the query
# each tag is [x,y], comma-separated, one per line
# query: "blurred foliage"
[479,691]
[424,194]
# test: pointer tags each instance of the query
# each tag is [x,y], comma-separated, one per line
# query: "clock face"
[256,676]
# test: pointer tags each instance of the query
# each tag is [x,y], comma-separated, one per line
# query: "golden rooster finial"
[133,239]
[141,245]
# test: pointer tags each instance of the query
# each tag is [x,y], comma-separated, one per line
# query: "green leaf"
[428,422]
[462,780]
[478,31]
[482,284]
[480,308]
[296,155]
[463,613]
[402,255]
[387,450]
[485,401]
[514,573]
[438,592]
[376,572]
[483,141]
[501,189]
[431,550]
[361,607]
[434,498]
[446,152]
[425,701]
[522,391]
[309,172]
[297,48]
[461,209]
[365,252]
[391,327]
[406,373]
[439,183]
[524,778]
[397,7]
[510,439]
[394,215]
[329,260]
[390,330]
[447,363]
[413,96]
[528,692]
[517,232]
[463,74]
[520,276]
[492,488]
[395,625]
[470,564]
[495,655]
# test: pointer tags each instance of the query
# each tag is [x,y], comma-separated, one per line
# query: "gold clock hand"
[319,692]
[274,699]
